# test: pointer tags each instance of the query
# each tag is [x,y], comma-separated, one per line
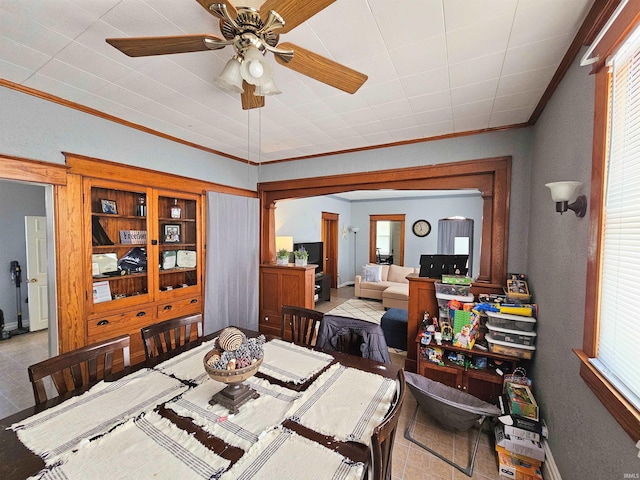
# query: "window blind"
[618,357]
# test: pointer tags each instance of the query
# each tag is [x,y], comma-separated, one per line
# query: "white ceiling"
[435,67]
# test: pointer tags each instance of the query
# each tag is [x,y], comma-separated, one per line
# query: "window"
[383,238]
[610,356]
[386,239]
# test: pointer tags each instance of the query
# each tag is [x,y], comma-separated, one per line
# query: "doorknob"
[33,280]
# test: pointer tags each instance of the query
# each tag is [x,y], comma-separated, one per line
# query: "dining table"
[312,417]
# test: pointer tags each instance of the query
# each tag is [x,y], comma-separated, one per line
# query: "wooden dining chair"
[303,323]
[171,334]
[80,367]
[385,433]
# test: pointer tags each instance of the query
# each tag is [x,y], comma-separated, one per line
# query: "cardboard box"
[456,279]
[521,401]
[520,446]
[516,469]
[522,427]
[516,458]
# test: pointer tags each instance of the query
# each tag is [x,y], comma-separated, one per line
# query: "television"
[316,253]
[434,266]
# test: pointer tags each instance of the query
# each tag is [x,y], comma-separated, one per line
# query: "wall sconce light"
[562,192]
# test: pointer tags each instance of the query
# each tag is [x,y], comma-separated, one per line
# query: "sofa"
[385,282]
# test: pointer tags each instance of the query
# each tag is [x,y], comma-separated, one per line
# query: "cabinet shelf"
[117,215]
[178,269]
[113,278]
[174,220]
[118,245]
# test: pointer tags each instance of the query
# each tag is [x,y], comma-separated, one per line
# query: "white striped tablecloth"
[244,428]
[58,430]
[147,447]
[283,454]
[345,402]
[289,362]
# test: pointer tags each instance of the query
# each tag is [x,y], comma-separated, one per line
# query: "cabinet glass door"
[178,242]
[119,244]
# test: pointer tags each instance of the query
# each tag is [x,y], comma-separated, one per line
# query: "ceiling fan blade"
[144,46]
[207,3]
[322,69]
[249,100]
[294,12]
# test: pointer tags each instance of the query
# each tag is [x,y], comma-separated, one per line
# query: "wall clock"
[421,228]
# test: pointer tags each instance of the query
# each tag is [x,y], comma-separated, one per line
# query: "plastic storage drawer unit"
[449,289]
[443,300]
[512,336]
[511,322]
[505,348]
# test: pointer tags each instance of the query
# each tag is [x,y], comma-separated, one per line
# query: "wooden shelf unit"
[323,281]
[422,297]
[485,384]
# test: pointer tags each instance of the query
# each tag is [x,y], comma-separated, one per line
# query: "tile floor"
[410,462]
[16,354]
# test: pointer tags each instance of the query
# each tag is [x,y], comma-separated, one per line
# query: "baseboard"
[549,468]
[346,284]
[14,325]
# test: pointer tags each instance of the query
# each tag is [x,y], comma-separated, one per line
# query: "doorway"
[21,199]
[330,241]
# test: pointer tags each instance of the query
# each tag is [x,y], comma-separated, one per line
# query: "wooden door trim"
[491,176]
[373,233]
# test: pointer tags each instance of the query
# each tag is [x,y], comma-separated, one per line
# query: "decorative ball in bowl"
[229,376]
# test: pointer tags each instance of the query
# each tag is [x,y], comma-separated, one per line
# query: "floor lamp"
[355,231]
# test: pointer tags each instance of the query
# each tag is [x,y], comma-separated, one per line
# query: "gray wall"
[514,143]
[40,130]
[430,208]
[586,441]
[302,219]
[17,200]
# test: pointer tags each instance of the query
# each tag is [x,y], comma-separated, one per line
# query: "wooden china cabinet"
[142,259]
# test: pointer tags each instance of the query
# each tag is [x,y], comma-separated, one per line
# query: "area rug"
[368,310]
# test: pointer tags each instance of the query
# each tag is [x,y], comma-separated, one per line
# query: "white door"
[36,280]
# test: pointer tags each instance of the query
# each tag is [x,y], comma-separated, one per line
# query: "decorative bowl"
[236,393]
[230,376]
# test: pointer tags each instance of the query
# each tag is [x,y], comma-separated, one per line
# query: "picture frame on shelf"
[172,233]
[109,206]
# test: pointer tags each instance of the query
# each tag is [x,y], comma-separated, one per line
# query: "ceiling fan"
[252,32]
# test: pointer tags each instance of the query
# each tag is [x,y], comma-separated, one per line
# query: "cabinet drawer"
[101,328]
[179,308]
[108,326]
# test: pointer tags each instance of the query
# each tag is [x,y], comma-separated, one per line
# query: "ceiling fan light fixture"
[269,88]
[231,79]
[255,69]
